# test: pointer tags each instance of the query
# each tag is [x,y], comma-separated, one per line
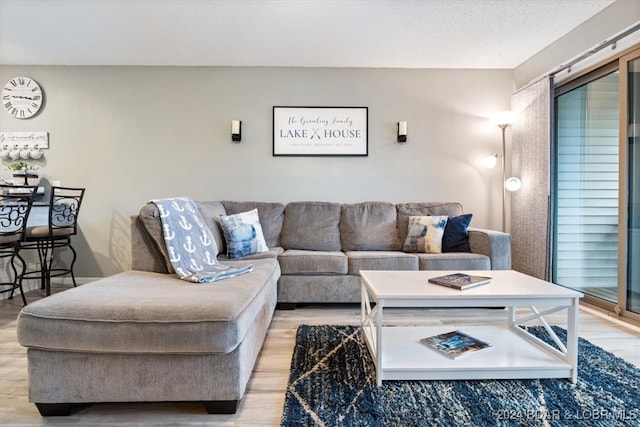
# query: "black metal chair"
[64,207]
[15,205]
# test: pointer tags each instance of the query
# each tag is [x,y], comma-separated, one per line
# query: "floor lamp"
[503,120]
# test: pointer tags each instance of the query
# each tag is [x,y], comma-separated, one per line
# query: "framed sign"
[320,131]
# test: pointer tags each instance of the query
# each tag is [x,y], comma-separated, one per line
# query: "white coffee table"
[398,354]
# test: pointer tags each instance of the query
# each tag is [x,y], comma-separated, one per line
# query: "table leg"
[572,338]
[379,344]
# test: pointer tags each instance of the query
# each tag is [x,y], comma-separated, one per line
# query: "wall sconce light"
[513,184]
[236,130]
[402,131]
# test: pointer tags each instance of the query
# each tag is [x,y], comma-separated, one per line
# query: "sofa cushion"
[296,261]
[271,217]
[369,226]
[424,234]
[311,226]
[405,210]
[380,260]
[316,288]
[454,261]
[176,316]
[243,234]
[456,237]
[150,217]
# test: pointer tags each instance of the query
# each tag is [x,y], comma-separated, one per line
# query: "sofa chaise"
[145,335]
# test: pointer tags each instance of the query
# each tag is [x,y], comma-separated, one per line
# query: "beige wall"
[130,134]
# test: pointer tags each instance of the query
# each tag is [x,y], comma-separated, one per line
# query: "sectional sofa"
[145,335]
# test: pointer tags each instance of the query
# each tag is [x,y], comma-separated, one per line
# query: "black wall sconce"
[236,130]
[402,131]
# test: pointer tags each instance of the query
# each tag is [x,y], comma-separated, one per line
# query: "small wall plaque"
[25,139]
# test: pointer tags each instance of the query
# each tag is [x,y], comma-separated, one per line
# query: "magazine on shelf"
[455,344]
[460,280]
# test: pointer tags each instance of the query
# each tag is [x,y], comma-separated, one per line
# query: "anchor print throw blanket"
[191,247]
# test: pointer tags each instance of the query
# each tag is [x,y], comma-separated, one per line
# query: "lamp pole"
[504,177]
[503,119]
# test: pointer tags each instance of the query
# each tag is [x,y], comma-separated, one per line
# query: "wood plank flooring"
[262,405]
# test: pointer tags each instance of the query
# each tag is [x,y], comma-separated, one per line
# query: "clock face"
[22,97]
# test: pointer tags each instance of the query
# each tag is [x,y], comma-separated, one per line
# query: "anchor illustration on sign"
[184,223]
[168,234]
[177,207]
[204,238]
[211,260]
[189,208]
[189,246]
[315,134]
[163,213]
[195,266]
[173,257]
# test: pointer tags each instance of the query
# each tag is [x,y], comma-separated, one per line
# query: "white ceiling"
[307,33]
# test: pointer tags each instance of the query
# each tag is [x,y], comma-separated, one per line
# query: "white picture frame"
[320,131]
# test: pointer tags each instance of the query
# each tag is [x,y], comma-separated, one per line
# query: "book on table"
[460,281]
[455,344]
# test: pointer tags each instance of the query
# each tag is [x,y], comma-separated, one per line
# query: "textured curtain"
[531,162]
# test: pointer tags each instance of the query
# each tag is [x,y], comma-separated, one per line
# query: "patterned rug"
[332,383]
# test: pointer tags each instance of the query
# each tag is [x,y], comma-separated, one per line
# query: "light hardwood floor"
[262,405]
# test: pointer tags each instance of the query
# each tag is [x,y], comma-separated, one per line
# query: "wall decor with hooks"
[23,145]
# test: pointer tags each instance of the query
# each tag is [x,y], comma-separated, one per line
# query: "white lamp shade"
[512,184]
[490,162]
[503,118]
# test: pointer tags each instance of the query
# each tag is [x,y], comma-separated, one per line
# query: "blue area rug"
[332,383]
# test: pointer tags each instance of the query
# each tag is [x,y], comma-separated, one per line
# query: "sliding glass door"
[633,184]
[596,222]
[587,161]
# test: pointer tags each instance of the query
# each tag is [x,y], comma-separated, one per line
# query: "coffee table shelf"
[511,356]
[398,353]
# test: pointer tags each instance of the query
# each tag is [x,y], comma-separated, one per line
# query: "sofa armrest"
[145,255]
[494,244]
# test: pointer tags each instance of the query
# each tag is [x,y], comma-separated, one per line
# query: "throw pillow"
[243,234]
[455,237]
[424,234]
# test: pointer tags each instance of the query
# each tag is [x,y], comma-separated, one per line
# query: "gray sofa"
[145,335]
[321,247]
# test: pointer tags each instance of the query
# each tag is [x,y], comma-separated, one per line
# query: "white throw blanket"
[191,247]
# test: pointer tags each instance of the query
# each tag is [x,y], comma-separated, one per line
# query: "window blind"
[587,165]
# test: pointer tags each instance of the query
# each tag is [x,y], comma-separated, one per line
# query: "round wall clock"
[22,97]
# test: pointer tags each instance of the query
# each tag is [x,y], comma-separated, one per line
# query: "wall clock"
[22,97]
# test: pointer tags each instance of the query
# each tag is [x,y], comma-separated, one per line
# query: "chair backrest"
[15,205]
[64,207]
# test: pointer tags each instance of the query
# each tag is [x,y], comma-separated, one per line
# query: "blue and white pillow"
[424,234]
[243,234]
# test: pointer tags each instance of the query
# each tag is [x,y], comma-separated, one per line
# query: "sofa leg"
[54,409]
[286,306]
[221,406]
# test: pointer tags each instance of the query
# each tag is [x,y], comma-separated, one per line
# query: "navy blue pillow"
[455,238]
